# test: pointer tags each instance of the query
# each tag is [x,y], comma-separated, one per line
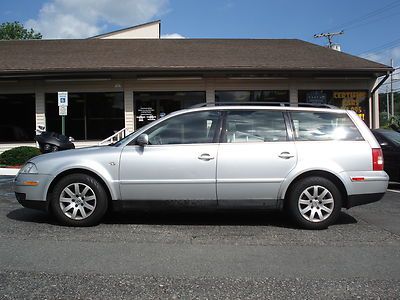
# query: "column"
[129,110]
[40,108]
[210,90]
[375,110]
[293,94]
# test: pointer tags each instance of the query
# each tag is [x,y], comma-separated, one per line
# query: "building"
[126,83]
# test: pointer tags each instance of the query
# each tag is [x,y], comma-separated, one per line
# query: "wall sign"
[146,113]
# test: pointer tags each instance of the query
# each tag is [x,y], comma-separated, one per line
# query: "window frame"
[215,140]
[292,127]
[285,118]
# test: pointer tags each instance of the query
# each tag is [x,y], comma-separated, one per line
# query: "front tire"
[79,200]
[314,203]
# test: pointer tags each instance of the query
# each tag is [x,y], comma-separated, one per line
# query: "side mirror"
[142,140]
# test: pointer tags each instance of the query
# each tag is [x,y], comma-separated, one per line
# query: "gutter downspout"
[373,97]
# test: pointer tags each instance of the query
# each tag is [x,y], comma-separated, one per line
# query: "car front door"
[179,162]
[254,158]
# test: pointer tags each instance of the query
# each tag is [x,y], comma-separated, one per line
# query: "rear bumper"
[355,200]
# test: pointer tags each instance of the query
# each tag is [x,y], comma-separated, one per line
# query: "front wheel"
[314,203]
[79,200]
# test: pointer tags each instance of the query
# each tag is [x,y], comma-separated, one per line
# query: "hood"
[90,158]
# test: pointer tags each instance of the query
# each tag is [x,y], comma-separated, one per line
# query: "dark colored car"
[390,143]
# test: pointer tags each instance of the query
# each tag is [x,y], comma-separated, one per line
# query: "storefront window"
[17,122]
[354,100]
[150,106]
[90,115]
[252,96]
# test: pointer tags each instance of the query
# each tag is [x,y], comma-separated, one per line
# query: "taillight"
[377,159]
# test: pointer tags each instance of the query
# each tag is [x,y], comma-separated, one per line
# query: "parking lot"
[226,255]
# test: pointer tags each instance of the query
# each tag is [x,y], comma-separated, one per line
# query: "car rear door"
[254,157]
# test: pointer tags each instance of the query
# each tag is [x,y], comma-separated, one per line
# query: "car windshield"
[117,144]
[393,136]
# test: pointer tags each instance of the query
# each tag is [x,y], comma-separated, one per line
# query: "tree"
[16,31]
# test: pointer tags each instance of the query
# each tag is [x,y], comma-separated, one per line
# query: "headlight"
[29,168]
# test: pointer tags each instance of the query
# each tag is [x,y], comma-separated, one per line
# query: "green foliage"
[16,31]
[386,119]
[394,122]
[18,156]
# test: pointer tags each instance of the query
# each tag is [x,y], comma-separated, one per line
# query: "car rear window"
[393,136]
[321,126]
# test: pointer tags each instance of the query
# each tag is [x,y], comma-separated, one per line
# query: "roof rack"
[255,103]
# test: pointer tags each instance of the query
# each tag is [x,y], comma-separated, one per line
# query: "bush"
[18,156]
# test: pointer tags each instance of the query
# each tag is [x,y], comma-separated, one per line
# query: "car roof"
[383,130]
[262,107]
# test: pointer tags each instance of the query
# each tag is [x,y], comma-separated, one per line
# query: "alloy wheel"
[77,201]
[316,203]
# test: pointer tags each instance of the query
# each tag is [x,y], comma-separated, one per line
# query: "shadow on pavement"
[214,218]
[31,216]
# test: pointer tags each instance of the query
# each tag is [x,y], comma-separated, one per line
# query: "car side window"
[253,126]
[191,128]
[321,126]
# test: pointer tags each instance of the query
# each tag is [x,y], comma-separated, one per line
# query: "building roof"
[131,29]
[200,56]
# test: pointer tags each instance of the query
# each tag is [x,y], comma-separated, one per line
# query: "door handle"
[205,157]
[285,155]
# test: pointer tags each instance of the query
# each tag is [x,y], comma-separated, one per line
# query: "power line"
[373,20]
[388,83]
[364,17]
[384,46]
[380,51]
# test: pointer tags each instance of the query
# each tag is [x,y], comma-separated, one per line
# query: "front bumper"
[32,196]
[34,204]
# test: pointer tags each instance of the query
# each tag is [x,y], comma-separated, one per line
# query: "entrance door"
[179,163]
[255,157]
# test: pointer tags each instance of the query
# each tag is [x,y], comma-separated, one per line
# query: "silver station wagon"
[311,162]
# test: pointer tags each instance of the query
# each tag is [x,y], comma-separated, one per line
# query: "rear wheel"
[79,200]
[314,203]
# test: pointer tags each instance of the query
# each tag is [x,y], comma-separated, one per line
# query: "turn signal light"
[31,183]
[377,159]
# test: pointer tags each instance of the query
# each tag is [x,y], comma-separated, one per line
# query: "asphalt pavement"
[223,255]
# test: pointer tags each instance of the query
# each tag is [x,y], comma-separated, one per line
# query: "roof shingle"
[93,55]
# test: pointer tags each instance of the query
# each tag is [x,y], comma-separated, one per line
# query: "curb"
[9,171]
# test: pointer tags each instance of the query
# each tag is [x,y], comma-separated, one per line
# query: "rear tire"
[314,203]
[79,200]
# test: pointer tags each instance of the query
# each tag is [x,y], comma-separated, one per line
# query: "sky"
[371,28]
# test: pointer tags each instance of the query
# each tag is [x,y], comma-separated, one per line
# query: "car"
[389,141]
[308,161]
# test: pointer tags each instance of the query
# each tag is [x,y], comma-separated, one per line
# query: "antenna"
[329,36]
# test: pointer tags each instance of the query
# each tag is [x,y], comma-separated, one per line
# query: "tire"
[314,203]
[79,200]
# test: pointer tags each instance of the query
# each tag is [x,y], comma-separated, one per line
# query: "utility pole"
[387,103]
[391,88]
[329,36]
